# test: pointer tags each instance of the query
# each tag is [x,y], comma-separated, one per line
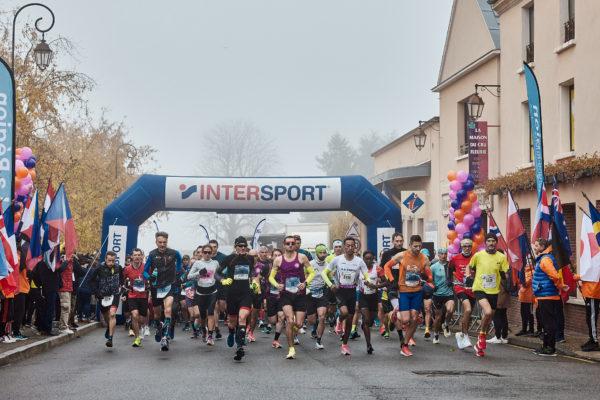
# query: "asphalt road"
[86,369]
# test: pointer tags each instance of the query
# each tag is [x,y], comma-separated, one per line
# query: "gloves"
[469,281]
[226,282]
[203,272]
[255,288]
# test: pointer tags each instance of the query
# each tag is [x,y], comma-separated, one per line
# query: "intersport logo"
[187,191]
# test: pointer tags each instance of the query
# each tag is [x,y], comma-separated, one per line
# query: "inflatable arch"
[261,195]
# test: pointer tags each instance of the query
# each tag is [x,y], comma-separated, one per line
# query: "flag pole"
[583,211]
[96,258]
[526,236]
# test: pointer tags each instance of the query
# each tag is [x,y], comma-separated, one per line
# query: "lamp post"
[475,103]
[42,53]
[131,154]
[421,137]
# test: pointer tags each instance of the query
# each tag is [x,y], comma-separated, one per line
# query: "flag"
[9,255]
[257,232]
[561,245]
[8,134]
[535,123]
[204,233]
[29,215]
[516,239]
[493,228]
[34,253]
[595,216]
[541,226]
[589,254]
[50,236]
[59,216]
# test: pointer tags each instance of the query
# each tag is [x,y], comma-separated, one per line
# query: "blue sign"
[535,122]
[413,202]
[7,134]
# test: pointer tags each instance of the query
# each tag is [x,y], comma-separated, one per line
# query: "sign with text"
[7,134]
[384,239]
[478,151]
[117,242]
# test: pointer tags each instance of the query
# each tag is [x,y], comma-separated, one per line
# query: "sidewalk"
[12,352]
[572,347]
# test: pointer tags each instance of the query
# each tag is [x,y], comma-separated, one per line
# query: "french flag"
[31,229]
[59,217]
[516,239]
[50,236]
[9,256]
[541,226]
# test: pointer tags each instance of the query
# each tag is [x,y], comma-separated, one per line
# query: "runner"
[198,326]
[137,294]
[318,299]
[262,267]
[427,301]
[107,281]
[413,270]
[299,248]
[443,296]
[185,267]
[338,249]
[294,272]
[234,273]
[490,268]
[221,306]
[369,298]
[464,295]
[274,311]
[162,269]
[398,243]
[203,273]
[346,270]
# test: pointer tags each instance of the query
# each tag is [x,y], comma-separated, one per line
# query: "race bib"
[139,285]
[368,290]
[347,278]
[107,301]
[273,290]
[488,281]
[241,272]
[162,292]
[206,282]
[412,279]
[291,284]
[190,293]
[317,293]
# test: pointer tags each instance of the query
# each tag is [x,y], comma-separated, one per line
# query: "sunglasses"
[242,245]
[207,252]
[290,243]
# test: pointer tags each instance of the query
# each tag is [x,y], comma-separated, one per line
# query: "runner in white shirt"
[203,272]
[318,298]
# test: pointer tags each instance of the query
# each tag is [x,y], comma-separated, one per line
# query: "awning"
[397,175]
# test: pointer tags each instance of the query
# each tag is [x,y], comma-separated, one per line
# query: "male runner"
[413,269]
[221,306]
[274,311]
[181,296]
[443,296]
[162,269]
[107,281]
[490,268]
[234,273]
[398,247]
[299,248]
[137,294]
[464,295]
[294,272]
[346,271]
[262,267]
[338,249]
[369,298]
[317,300]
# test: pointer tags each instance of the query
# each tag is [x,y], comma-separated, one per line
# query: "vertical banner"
[478,151]
[117,242]
[7,134]
[384,240]
[535,123]
[257,232]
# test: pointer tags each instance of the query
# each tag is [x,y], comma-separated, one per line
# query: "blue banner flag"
[535,122]
[7,135]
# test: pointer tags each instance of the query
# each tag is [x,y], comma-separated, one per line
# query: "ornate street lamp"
[131,155]
[421,137]
[475,103]
[42,53]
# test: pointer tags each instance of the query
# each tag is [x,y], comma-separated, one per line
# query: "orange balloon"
[22,172]
[472,197]
[17,182]
[451,175]
[32,173]
[452,235]
[459,215]
[465,206]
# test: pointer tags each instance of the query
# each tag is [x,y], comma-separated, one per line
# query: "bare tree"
[235,148]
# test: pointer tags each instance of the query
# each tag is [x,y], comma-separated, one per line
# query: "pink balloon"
[476,212]
[453,249]
[455,185]
[26,153]
[19,164]
[22,191]
[468,219]
[461,175]
[452,195]
[456,242]
[461,228]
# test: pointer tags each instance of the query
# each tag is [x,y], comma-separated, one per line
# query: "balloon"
[461,228]
[451,175]
[459,215]
[456,242]
[455,204]
[26,152]
[455,185]
[467,235]
[462,176]
[451,225]
[22,172]
[30,163]
[451,235]
[32,174]
[453,249]
[22,190]
[468,219]
[19,164]
[476,227]
[466,206]
[27,179]
[478,237]
[476,211]
[468,185]
[452,195]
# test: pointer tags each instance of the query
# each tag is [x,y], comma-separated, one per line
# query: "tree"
[339,222]
[367,144]
[235,148]
[339,158]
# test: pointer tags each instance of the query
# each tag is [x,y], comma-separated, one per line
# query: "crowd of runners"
[290,291]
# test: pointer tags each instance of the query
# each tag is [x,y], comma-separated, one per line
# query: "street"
[86,369]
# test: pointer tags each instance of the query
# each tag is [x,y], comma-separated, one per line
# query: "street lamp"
[420,138]
[42,53]
[131,155]
[475,103]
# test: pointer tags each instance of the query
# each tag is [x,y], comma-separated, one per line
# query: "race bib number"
[488,281]
[412,279]
[241,272]
[206,282]
[139,285]
[317,293]
[273,290]
[107,301]
[347,278]
[291,284]
[162,292]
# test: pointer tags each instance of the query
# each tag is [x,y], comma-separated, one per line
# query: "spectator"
[24,287]
[526,300]
[49,282]
[501,317]
[84,293]
[591,295]
[64,293]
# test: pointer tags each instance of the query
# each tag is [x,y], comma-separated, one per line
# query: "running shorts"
[369,301]
[237,300]
[491,298]
[410,301]
[138,303]
[313,303]
[346,297]
[439,302]
[273,306]
[297,301]
[206,304]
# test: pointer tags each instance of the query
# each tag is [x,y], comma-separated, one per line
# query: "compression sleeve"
[272,275]
[387,270]
[147,267]
[178,262]
[311,273]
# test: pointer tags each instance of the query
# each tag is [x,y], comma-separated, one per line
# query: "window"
[463,128]
[525,214]
[567,116]
[569,19]
[571,117]
[528,32]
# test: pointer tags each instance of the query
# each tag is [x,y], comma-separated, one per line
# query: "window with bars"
[525,214]
[569,212]
[529,32]
[569,24]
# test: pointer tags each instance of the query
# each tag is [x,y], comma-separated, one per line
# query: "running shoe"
[131,333]
[319,346]
[339,329]
[164,344]
[8,339]
[446,328]
[504,340]
[67,331]
[291,353]
[427,334]
[158,333]
[109,342]
[210,341]
[268,330]
[186,327]
[546,352]
[382,330]
[369,349]
[251,337]
[462,340]
[137,342]
[354,335]
[275,344]
[218,335]
[239,354]
[481,341]
[386,335]
[146,330]
[296,340]
[405,351]
[195,334]
[346,350]
[494,340]
[478,351]
[436,338]
[313,334]
[590,345]
[412,342]
[230,339]
[19,337]
[377,322]
[302,330]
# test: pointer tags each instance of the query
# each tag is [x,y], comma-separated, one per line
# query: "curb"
[591,356]
[29,350]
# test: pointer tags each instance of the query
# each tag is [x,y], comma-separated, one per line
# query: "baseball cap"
[240,240]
